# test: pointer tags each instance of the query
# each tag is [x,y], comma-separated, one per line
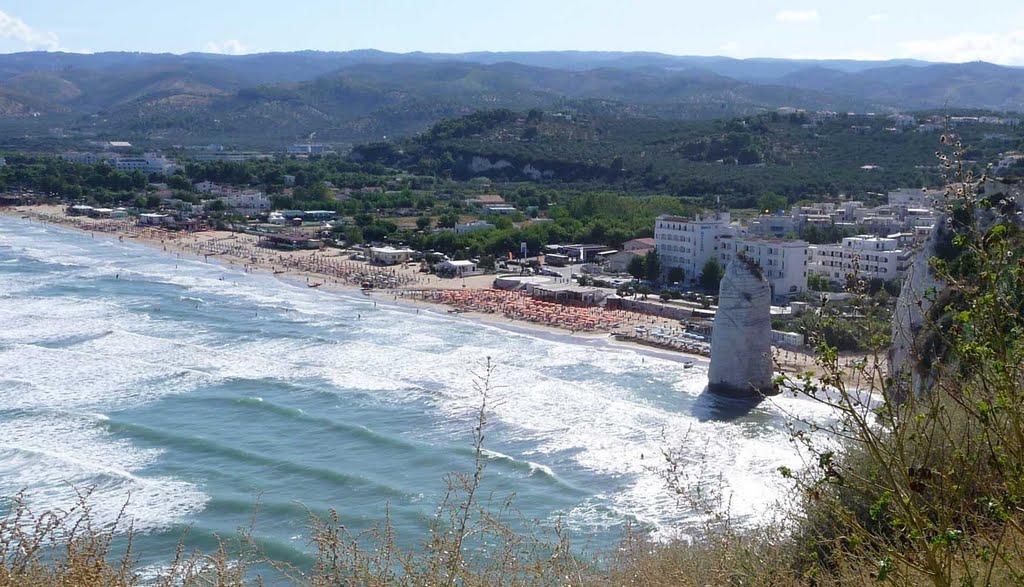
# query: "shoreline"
[341,275]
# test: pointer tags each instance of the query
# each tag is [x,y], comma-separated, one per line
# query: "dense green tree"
[179,182]
[448,220]
[770,203]
[675,275]
[318,191]
[353,235]
[214,205]
[636,267]
[652,266]
[711,275]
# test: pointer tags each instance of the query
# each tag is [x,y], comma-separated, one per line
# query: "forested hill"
[268,99]
[794,155]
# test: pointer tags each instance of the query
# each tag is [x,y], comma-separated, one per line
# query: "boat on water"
[687,364]
[279,272]
[314,284]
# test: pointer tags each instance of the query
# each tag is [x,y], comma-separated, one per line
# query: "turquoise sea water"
[191,390]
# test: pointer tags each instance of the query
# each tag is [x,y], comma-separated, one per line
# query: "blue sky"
[937,30]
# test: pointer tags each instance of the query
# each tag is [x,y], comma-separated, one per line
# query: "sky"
[934,30]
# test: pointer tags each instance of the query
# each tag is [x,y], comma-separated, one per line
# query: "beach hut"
[390,255]
[457,268]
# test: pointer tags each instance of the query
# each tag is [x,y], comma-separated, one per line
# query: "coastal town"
[613,294]
[585,289]
[658,289]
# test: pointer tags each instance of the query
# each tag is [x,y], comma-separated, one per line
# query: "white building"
[230,156]
[689,243]
[148,163]
[787,339]
[472,226]
[778,225]
[500,209]
[1006,161]
[619,262]
[249,202]
[390,255]
[308,149]
[914,198]
[867,256]
[204,187]
[244,201]
[153,219]
[457,268]
[784,262]
[639,244]
[85,158]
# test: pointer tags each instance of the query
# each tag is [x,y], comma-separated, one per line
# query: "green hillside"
[739,158]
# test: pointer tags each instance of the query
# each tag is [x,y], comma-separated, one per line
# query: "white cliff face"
[483,164]
[741,340]
[917,295]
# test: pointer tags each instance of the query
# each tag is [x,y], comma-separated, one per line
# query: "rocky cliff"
[926,302]
[917,296]
[741,340]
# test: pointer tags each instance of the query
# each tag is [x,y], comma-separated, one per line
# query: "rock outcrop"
[926,301]
[921,288]
[741,340]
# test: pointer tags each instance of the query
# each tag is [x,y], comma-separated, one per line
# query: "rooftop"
[487,199]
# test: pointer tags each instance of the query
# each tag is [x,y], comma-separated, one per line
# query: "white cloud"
[1005,48]
[228,47]
[730,47]
[796,16]
[15,29]
[878,17]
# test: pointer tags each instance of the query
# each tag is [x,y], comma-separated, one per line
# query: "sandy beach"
[471,297]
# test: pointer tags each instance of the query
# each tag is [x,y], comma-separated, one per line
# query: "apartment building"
[914,198]
[867,256]
[778,225]
[689,243]
[230,156]
[148,163]
[243,201]
[84,158]
[784,262]
[248,202]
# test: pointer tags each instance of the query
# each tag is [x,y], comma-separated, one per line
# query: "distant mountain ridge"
[354,96]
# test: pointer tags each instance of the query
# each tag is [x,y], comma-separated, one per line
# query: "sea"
[197,397]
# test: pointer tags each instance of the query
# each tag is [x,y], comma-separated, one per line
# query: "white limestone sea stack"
[741,340]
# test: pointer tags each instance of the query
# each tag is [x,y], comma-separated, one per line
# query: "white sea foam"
[607,411]
[48,455]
